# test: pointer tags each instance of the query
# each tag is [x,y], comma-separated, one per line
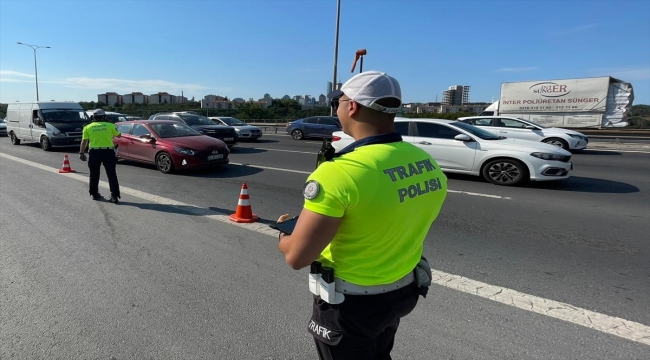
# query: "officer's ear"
[354,108]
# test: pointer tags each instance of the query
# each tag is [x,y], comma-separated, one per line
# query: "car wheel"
[14,139]
[557,142]
[45,143]
[505,172]
[297,135]
[164,163]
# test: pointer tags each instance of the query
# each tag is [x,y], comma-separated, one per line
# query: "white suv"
[516,128]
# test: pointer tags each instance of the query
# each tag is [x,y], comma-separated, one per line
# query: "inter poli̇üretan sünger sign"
[570,95]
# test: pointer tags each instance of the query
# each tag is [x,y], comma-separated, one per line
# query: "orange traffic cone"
[244,213]
[66,166]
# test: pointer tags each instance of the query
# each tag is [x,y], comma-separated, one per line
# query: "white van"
[51,124]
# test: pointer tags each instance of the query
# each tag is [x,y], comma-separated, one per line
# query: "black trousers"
[97,157]
[362,327]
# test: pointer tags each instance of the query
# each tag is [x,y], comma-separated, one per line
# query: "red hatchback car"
[168,144]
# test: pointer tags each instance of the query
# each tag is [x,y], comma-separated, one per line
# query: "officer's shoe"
[114,199]
[97,197]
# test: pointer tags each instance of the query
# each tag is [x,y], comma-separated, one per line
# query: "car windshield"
[530,122]
[193,120]
[173,130]
[64,115]
[476,131]
[232,121]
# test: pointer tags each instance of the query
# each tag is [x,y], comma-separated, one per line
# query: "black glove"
[82,157]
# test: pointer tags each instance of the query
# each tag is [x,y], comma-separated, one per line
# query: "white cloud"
[625,74]
[14,73]
[518,69]
[117,85]
[129,85]
[10,76]
[4,80]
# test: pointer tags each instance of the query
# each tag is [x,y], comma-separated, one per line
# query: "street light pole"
[336,49]
[34,47]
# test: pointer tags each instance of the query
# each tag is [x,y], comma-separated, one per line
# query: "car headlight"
[579,137]
[547,156]
[184,151]
[237,130]
[58,133]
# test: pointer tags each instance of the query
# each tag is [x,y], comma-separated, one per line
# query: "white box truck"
[51,124]
[599,102]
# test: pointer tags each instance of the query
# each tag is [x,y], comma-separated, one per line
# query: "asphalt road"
[150,279]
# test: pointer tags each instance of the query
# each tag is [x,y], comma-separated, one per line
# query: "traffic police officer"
[98,137]
[366,214]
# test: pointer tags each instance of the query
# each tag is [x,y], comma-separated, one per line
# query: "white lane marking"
[308,172]
[478,194]
[623,328]
[289,151]
[272,168]
[626,329]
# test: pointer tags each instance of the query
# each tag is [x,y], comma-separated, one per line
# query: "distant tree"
[639,110]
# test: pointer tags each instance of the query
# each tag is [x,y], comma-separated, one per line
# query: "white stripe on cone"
[244,202]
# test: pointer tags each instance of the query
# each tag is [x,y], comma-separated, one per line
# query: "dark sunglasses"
[334,103]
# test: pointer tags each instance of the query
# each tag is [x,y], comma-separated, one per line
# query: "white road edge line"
[623,151]
[289,151]
[625,329]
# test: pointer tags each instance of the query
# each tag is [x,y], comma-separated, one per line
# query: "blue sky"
[247,48]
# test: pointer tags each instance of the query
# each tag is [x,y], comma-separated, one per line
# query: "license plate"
[229,139]
[215,157]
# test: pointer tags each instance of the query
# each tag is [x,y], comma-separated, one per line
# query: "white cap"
[368,87]
[99,112]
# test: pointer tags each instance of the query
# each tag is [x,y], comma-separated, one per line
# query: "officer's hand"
[283,218]
[82,157]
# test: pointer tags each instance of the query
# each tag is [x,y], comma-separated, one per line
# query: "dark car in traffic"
[202,124]
[170,145]
[313,127]
[3,127]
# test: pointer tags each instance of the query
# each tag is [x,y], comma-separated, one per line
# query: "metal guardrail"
[270,129]
[278,128]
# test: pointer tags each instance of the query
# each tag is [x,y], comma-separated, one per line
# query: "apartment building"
[110,98]
[456,95]
[135,98]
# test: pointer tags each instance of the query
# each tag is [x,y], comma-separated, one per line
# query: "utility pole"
[336,49]
[34,47]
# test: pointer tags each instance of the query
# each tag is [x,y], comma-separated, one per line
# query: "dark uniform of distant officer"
[366,214]
[98,137]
